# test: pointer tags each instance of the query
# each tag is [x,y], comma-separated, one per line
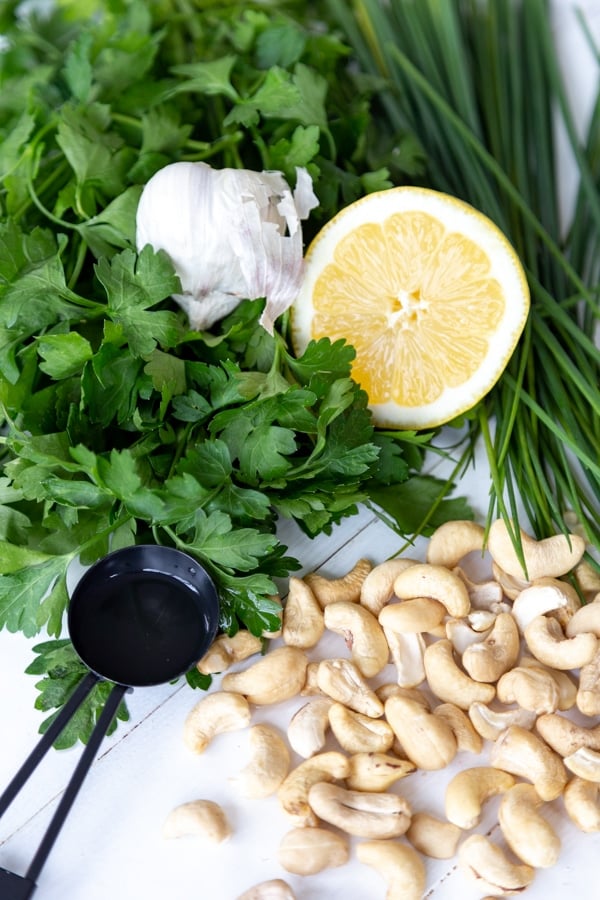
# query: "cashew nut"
[565,736]
[582,803]
[276,677]
[587,577]
[524,754]
[214,714]
[468,790]
[302,622]
[417,615]
[225,651]
[341,680]
[588,691]
[547,642]
[511,586]
[311,685]
[360,813]
[427,580]
[533,689]
[585,763]
[487,660]
[427,740]
[391,689]
[454,540]
[467,738]
[271,635]
[308,726]
[407,652]
[376,771]
[490,723]
[275,889]
[482,594]
[543,596]
[269,763]
[462,634]
[432,836]
[293,793]
[307,851]
[398,864]
[488,866]
[200,818]
[363,634]
[449,682]
[566,684]
[525,830]
[348,587]
[587,618]
[357,733]
[378,587]
[553,556]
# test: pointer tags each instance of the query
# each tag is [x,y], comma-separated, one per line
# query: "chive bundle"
[478,82]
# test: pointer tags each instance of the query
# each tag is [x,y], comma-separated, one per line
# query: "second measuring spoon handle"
[43,745]
[72,789]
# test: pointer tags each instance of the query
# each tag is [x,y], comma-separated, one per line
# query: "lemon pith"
[428,291]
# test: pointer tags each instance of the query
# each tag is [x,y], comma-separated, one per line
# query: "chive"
[479,84]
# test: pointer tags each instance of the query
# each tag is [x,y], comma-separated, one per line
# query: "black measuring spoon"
[141,616]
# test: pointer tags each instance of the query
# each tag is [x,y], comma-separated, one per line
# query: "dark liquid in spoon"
[139,628]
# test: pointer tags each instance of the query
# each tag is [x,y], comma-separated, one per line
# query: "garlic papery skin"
[231,235]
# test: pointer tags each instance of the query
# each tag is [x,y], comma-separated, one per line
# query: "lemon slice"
[428,291]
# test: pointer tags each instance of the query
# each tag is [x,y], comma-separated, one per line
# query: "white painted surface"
[111,846]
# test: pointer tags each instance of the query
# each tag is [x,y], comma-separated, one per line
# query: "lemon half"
[430,293]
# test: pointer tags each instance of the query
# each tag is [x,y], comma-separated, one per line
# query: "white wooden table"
[111,845]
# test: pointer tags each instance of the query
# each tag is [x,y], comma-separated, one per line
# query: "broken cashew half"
[308,851]
[307,731]
[582,803]
[525,830]
[398,864]
[489,867]
[274,889]
[198,818]
[433,837]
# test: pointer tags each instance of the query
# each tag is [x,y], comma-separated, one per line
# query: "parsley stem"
[37,151]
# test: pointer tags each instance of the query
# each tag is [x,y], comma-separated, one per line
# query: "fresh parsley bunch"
[120,424]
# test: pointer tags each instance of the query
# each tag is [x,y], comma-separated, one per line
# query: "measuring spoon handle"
[43,745]
[72,789]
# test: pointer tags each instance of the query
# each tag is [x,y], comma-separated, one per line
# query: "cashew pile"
[506,669]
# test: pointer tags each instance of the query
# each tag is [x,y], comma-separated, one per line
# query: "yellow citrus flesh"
[428,291]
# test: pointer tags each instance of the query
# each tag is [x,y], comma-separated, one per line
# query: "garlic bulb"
[231,235]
